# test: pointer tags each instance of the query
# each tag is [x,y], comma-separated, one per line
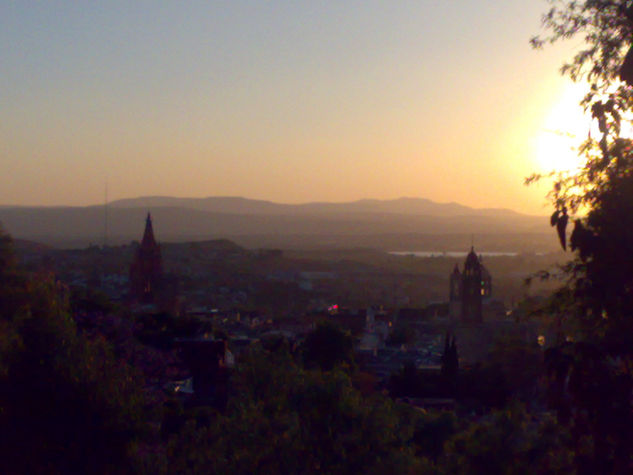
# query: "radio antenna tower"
[105,216]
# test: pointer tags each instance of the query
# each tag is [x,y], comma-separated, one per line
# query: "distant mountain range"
[387,224]
[238,205]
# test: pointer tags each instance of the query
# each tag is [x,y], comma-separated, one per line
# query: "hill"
[239,205]
[256,223]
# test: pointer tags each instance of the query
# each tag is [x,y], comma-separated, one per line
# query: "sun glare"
[556,151]
[564,129]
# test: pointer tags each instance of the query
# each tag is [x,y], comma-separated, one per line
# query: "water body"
[452,254]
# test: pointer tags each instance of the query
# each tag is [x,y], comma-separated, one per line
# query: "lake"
[452,254]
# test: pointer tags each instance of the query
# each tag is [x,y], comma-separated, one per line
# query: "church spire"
[148,234]
[146,274]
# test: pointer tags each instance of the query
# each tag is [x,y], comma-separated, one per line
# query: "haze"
[280,100]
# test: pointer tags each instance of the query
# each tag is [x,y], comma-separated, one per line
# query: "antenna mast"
[105,216]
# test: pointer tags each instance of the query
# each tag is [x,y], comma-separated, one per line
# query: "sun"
[564,128]
[556,151]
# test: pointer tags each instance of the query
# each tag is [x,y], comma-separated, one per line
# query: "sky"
[281,100]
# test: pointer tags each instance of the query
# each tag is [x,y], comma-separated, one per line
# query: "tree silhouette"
[591,377]
[450,360]
[66,404]
[327,346]
[285,419]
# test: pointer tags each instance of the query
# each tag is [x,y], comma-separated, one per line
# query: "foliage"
[606,31]
[591,392]
[592,378]
[483,387]
[90,301]
[67,405]
[520,364]
[412,382]
[283,418]
[432,431]
[12,281]
[327,346]
[510,371]
[509,441]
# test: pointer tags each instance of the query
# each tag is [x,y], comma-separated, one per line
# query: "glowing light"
[564,129]
[556,153]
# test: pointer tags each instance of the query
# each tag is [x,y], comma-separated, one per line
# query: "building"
[468,290]
[146,271]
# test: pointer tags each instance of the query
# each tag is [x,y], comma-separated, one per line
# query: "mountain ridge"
[241,205]
[259,223]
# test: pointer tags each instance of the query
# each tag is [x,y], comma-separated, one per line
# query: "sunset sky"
[281,100]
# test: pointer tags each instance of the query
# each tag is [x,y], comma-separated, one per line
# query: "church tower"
[146,272]
[472,289]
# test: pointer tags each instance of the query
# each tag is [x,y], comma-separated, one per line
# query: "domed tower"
[472,289]
[455,294]
[146,272]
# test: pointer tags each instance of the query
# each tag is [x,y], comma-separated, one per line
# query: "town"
[316,237]
[395,313]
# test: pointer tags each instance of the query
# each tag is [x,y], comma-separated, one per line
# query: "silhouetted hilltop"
[215,245]
[255,223]
[239,205]
[23,245]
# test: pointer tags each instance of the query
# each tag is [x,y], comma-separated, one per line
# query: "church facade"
[468,290]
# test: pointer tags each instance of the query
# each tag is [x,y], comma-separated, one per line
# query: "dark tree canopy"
[66,404]
[598,197]
[591,377]
[285,419]
[327,346]
[606,31]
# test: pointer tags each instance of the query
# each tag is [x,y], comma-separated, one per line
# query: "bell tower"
[472,289]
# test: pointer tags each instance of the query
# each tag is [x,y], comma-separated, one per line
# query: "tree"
[66,404]
[432,431]
[327,346]
[12,280]
[605,179]
[509,441]
[450,360]
[606,29]
[593,375]
[285,419]
[521,365]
